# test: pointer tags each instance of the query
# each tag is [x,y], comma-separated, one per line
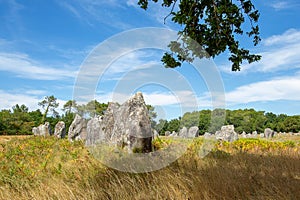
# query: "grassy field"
[49,168]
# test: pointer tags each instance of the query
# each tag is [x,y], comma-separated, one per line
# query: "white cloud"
[90,11]
[8,100]
[279,53]
[35,92]
[280,88]
[154,11]
[290,36]
[29,99]
[279,5]
[132,3]
[23,66]
[175,98]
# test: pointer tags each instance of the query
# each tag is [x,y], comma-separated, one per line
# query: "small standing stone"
[193,132]
[183,132]
[77,130]
[60,129]
[269,133]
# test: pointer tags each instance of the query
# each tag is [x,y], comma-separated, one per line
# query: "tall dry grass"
[47,168]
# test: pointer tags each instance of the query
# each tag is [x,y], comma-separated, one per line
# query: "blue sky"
[44,44]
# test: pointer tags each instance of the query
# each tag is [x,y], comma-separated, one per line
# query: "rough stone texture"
[77,130]
[254,133]
[42,130]
[93,129]
[35,131]
[127,126]
[60,129]
[167,133]
[174,134]
[261,135]
[193,132]
[183,132]
[155,134]
[268,133]
[243,135]
[227,133]
[207,134]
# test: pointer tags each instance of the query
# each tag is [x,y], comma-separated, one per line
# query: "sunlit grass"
[49,168]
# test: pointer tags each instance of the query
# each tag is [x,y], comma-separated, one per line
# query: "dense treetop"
[214,24]
[19,120]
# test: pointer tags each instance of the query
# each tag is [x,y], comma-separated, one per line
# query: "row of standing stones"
[129,126]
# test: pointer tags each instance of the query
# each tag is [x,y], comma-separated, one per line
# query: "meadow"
[50,168]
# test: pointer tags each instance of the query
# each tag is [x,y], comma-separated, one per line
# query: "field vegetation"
[49,168]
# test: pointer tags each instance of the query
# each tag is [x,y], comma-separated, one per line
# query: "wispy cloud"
[23,66]
[279,53]
[10,99]
[279,5]
[155,11]
[291,36]
[279,88]
[103,11]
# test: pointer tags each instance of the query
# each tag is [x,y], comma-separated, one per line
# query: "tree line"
[247,120]
[19,120]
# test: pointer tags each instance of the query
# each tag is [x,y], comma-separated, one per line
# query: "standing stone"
[262,135]
[127,126]
[227,133]
[174,134]
[183,132]
[243,135]
[254,133]
[35,131]
[42,130]
[207,135]
[167,133]
[94,129]
[77,130]
[132,127]
[193,132]
[269,133]
[155,134]
[60,129]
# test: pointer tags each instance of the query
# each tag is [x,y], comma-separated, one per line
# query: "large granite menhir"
[127,126]
[77,130]
[42,130]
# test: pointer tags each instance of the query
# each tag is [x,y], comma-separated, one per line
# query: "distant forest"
[19,120]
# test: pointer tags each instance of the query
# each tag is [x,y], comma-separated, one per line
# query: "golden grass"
[48,168]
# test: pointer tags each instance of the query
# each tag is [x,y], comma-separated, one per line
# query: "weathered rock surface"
[174,134]
[254,133]
[243,135]
[227,133]
[42,130]
[155,134]
[193,132]
[207,135]
[77,130]
[183,132]
[269,133]
[167,133]
[94,129]
[127,126]
[60,129]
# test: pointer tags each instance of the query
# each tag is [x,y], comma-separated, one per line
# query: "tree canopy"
[214,24]
[49,104]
